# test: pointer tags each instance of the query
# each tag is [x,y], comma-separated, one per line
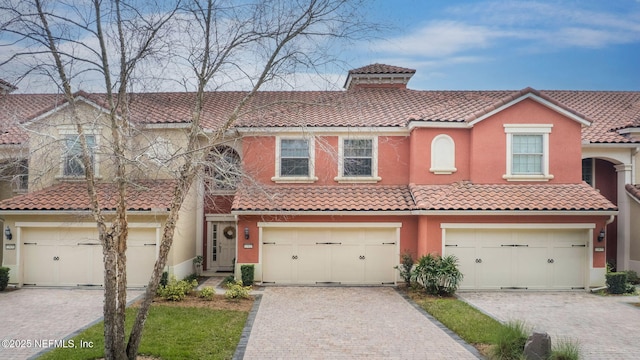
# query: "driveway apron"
[346,323]
[605,327]
[35,320]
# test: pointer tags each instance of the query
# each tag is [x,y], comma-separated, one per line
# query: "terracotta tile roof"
[324,198]
[73,196]
[634,190]
[381,69]
[608,111]
[538,197]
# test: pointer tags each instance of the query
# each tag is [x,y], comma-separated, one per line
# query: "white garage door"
[73,256]
[520,258]
[329,255]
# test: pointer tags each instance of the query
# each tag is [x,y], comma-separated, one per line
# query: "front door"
[222,246]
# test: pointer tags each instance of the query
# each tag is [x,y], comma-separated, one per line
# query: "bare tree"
[222,41]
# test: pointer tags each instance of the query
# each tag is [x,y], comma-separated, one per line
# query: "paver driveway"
[606,327]
[345,323]
[31,314]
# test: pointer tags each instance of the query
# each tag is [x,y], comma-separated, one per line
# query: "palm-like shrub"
[438,275]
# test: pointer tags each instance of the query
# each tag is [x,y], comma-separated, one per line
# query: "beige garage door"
[329,255]
[62,256]
[520,258]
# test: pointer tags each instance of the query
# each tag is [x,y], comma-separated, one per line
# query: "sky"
[509,44]
[467,45]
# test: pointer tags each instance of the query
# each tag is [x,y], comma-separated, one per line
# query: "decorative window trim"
[528,129]
[311,178]
[63,132]
[374,178]
[451,158]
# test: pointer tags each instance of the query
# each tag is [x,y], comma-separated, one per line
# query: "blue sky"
[509,44]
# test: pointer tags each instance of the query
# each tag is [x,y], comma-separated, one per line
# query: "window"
[73,165]
[294,160]
[587,171]
[222,169]
[294,157]
[528,152]
[358,160]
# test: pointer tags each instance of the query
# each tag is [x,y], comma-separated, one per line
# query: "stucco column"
[422,236]
[624,232]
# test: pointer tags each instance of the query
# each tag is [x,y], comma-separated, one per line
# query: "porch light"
[601,235]
[7,233]
[246,233]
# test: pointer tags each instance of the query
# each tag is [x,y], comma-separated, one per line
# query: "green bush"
[207,293]
[176,290]
[405,268]
[237,291]
[438,275]
[510,341]
[164,280]
[4,278]
[565,350]
[228,280]
[616,282]
[191,277]
[632,277]
[247,274]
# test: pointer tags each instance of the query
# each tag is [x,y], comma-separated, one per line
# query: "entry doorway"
[221,245]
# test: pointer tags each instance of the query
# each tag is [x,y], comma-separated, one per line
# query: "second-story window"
[294,157]
[73,165]
[527,154]
[358,157]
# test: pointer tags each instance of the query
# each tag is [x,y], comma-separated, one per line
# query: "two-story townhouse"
[335,185]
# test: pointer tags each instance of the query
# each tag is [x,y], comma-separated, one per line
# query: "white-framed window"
[294,160]
[527,152]
[222,170]
[71,165]
[358,159]
[443,155]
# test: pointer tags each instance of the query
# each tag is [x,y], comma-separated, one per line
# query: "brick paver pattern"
[345,323]
[605,327]
[45,315]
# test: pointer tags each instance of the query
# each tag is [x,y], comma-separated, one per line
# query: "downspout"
[611,218]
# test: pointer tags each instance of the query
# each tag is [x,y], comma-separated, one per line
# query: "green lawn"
[171,333]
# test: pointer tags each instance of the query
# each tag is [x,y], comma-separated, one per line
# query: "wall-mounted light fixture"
[601,235]
[246,233]
[7,233]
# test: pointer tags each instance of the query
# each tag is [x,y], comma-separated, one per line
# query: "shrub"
[247,274]
[510,341]
[207,293]
[632,277]
[237,291]
[405,268]
[565,350]
[616,282]
[438,275]
[228,280]
[191,277]
[4,278]
[164,280]
[176,290]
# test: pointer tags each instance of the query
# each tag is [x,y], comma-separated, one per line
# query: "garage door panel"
[379,264]
[75,265]
[346,265]
[531,267]
[39,269]
[568,258]
[310,264]
[141,260]
[278,268]
[493,270]
[466,256]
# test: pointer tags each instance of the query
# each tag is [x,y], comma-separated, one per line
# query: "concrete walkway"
[36,319]
[346,323]
[606,327]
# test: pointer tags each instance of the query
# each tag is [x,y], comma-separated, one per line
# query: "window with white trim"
[358,160]
[294,160]
[72,165]
[443,155]
[528,152]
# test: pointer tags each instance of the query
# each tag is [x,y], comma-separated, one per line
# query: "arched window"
[443,155]
[222,169]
